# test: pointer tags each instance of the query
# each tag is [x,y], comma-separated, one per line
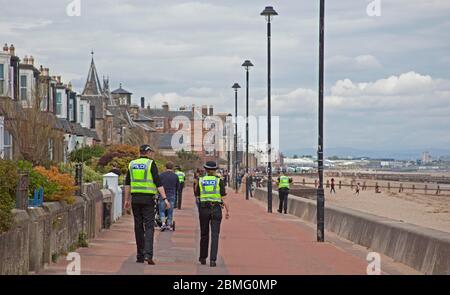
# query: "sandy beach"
[432,211]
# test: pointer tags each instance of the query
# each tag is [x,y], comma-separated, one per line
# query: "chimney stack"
[69,85]
[204,110]
[5,48]
[211,110]
[165,106]
[25,60]
[12,50]
[142,102]
[31,60]
[59,79]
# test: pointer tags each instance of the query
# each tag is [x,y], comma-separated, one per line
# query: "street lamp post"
[247,64]
[235,87]
[269,12]
[320,192]
[229,116]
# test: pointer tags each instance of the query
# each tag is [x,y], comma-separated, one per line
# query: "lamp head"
[247,64]
[268,12]
[236,86]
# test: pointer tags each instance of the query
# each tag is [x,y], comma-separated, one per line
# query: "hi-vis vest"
[209,189]
[284,182]
[180,175]
[141,176]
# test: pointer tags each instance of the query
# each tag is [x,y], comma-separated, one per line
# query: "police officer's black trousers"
[210,216]
[179,195]
[283,195]
[144,220]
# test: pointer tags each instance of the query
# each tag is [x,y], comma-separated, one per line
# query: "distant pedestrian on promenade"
[357,189]
[143,183]
[250,179]
[171,184]
[332,186]
[181,179]
[283,183]
[210,191]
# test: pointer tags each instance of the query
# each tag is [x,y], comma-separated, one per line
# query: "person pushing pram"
[170,182]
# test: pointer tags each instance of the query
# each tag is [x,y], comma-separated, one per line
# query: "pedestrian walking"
[283,183]
[250,179]
[357,189]
[143,183]
[181,178]
[210,191]
[332,186]
[171,184]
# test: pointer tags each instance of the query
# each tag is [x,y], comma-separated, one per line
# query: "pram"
[158,221]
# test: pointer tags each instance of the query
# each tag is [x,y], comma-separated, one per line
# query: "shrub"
[8,184]
[118,156]
[64,181]
[86,154]
[37,180]
[89,174]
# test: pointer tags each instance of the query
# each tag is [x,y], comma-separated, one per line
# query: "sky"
[387,77]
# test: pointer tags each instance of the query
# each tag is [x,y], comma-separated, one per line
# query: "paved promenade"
[252,242]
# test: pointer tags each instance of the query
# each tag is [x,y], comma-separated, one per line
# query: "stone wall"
[41,234]
[423,249]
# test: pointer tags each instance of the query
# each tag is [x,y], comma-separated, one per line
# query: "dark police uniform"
[143,203]
[209,191]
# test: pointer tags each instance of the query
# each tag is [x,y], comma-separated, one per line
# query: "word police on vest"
[209,182]
[139,166]
[226,285]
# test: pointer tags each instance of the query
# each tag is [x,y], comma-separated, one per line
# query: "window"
[50,149]
[58,103]
[7,146]
[23,87]
[159,123]
[81,113]
[2,128]
[2,78]
[110,130]
[71,110]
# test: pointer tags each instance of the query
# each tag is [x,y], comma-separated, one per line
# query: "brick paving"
[252,242]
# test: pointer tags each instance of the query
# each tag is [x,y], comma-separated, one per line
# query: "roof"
[79,130]
[65,125]
[120,90]
[162,140]
[165,114]
[92,86]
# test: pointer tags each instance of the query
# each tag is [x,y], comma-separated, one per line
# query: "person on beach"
[332,186]
[357,189]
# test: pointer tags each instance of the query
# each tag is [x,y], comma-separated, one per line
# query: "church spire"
[92,86]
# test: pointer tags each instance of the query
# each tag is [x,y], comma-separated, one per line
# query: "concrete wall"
[40,234]
[423,249]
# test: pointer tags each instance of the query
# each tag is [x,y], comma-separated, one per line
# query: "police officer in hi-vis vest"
[143,182]
[210,191]
[181,178]
[283,182]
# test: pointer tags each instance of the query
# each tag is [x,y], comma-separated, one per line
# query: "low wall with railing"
[423,249]
[39,235]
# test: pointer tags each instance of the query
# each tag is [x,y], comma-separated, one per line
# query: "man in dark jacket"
[171,184]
